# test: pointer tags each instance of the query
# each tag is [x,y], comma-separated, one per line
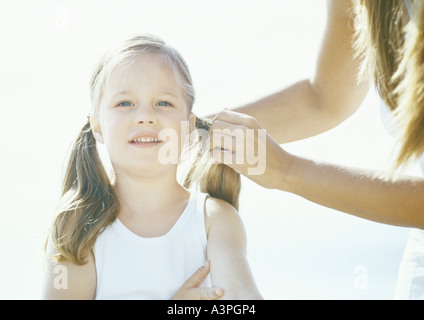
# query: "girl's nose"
[146,121]
[145,116]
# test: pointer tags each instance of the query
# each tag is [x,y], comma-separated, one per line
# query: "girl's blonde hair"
[392,48]
[89,203]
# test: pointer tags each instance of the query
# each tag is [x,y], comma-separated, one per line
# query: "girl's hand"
[190,290]
[239,141]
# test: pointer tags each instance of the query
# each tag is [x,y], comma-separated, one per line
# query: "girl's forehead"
[144,71]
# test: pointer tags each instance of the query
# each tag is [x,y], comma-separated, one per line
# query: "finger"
[222,141]
[196,279]
[229,150]
[226,127]
[212,117]
[221,134]
[224,156]
[210,293]
[236,118]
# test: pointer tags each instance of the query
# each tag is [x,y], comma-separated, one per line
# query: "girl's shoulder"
[65,279]
[215,206]
[219,213]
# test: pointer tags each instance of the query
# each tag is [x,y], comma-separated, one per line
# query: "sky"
[237,51]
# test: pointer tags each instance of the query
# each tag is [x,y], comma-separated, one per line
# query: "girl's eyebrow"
[167,92]
[160,91]
[120,93]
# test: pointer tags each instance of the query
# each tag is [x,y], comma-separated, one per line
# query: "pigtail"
[88,201]
[222,182]
[216,179]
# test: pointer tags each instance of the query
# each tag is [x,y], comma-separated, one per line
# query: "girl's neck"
[148,195]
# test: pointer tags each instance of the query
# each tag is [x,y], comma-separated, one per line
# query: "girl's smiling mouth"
[146,140]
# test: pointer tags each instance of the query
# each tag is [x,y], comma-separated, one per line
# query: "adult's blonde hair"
[392,47]
[89,203]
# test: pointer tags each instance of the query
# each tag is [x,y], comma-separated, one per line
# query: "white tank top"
[410,282]
[132,267]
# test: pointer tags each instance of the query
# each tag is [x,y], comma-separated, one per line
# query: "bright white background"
[238,51]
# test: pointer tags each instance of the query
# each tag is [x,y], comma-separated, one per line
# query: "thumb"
[209,293]
[205,293]
[196,279]
[190,289]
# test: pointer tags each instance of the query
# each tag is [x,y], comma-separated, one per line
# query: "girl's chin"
[146,168]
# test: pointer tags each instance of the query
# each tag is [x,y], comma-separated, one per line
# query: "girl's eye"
[164,104]
[124,104]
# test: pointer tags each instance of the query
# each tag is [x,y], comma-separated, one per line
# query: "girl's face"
[141,99]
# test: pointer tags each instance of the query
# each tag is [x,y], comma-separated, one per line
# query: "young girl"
[143,234]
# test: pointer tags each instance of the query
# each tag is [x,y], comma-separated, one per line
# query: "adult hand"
[190,290]
[239,141]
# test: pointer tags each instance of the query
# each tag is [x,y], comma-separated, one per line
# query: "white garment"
[132,267]
[410,7]
[410,282]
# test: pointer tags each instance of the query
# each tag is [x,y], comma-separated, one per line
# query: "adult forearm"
[354,191]
[292,114]
[359,192]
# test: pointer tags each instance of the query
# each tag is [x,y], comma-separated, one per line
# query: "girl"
[141,234]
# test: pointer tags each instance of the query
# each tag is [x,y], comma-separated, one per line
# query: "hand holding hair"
[240,142]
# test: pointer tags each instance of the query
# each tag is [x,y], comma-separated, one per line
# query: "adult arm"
[313,106]
[358,192]
[227,252]
[330,96]
[355,191]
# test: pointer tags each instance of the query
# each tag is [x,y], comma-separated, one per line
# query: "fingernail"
[218,291]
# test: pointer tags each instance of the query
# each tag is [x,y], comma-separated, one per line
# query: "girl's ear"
[95,127]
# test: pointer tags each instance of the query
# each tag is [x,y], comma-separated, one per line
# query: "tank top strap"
[201,198]
[199,218]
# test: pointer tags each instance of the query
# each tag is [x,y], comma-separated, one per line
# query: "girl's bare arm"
[229,268]
[66,280]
